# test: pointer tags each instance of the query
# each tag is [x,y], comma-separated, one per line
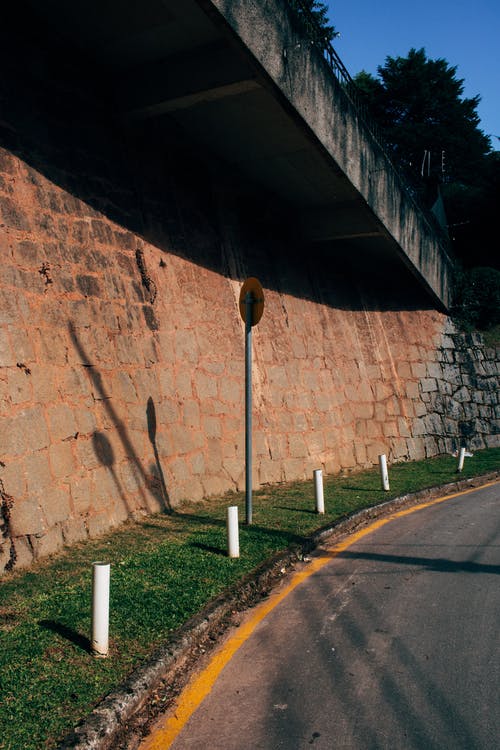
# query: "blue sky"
[466,34]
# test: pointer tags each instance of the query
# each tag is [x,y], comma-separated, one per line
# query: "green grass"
[164,569]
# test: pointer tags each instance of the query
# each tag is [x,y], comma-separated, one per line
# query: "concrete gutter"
[119,721]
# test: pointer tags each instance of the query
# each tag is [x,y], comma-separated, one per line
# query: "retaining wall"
[122,348]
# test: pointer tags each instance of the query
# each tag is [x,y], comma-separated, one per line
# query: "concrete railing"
[315,35]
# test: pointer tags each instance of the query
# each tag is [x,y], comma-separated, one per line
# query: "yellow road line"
[195,692]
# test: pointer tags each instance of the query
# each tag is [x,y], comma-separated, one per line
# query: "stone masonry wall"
[122,348]
[460,395]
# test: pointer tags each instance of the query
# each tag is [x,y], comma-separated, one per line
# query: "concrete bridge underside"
[239,78]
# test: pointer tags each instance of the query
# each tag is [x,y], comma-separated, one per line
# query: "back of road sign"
[252,286]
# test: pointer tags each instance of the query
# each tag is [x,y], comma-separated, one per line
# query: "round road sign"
[253,288]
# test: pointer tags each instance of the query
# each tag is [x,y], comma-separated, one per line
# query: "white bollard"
[318,490]
[100,608]
[384,474]
[233,541]
[461,459]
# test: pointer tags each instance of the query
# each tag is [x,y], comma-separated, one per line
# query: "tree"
[472,214]
[431,128]
[434,135]
[320,30]
[477,299]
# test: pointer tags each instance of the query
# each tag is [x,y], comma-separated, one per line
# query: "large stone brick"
[360,453]
[213,485]
[44,383]
[26,518]
[390,429]
[294,468]
[12,215]
[73,530]
[81,488]
[9,313]
[62,422]
[269,472]
[363,410]
[212,427]
[428,385]
[346,455]
[37,472]
[74,384]
[123,388]
[53,346]
[86,421]
[8,162]
[419,369]
[383,390]
[323,402]
[98,524]
[22,346]
[206,386]
[55,502]
[145,383]
[230,391]
[25,431]
[191,414]
[7,356]
[20,387]
[374,450]
[434,370]
[13,478]
[462,395]
[197,464]
[128,479]
[87,453]
[7,553]
[61,460]
[186,346]
[393,407]
[24,554]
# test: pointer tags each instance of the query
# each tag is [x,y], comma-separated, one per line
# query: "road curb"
[117,722]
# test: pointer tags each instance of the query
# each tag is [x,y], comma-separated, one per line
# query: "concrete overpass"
[246,81]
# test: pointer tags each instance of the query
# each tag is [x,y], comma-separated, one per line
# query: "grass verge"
[164,569]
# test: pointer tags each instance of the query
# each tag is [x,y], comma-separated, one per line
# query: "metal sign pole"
[251,304]
[249,300]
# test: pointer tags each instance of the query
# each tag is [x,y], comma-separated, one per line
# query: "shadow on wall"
[160,488]
[153,183]
[104,450]
[105,453]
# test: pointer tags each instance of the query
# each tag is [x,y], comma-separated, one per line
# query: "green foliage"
[477,299]
[472,214]
[164,569]
[320,30]
[434,134]
[419,104]
[492,336]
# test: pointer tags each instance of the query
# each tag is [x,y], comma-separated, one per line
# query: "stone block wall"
[460,395]
[122,348]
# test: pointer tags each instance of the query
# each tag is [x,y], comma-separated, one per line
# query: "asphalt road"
[392,644]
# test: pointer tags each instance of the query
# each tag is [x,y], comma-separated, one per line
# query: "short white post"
[461,459]
[384,474]
[318,490]
[100,608]
[233,541]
